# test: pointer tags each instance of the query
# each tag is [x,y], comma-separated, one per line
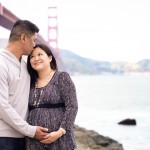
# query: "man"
[14,88]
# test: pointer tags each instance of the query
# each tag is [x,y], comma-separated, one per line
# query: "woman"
[52,102]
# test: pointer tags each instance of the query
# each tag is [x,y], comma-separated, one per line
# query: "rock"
[91,140]
[128,122]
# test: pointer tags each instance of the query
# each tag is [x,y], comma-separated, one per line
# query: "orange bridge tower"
[53,34]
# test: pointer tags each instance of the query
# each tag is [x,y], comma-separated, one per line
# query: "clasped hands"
[46,138]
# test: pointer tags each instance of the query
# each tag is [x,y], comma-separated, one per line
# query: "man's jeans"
[7,143]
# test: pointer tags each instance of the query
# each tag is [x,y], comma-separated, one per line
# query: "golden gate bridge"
[7,19]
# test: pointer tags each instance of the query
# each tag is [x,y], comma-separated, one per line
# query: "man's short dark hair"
[22,27]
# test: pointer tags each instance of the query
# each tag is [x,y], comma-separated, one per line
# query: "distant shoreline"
[109,74]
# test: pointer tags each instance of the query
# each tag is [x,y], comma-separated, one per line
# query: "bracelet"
[63,130]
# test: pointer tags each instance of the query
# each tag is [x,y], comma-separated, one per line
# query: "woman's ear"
[50,58]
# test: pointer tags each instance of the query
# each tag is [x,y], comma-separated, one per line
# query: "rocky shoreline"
[91,140]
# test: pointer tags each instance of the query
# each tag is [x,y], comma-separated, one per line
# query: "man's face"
[29,43]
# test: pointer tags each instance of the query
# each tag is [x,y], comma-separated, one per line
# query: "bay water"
[105,100]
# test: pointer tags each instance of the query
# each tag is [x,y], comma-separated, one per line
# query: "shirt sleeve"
[68,94]
[7,113]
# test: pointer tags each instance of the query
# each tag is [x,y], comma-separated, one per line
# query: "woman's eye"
[40,54]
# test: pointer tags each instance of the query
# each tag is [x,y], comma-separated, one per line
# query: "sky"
[110,30]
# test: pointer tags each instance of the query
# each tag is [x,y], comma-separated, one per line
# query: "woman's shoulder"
[63,75]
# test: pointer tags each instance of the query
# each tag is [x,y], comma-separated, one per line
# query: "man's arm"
[9,115]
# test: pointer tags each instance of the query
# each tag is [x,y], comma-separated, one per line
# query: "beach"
[106,100]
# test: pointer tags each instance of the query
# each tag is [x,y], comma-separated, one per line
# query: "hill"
[75,64]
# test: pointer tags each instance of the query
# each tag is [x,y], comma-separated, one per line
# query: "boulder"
[91,140]
[128,121]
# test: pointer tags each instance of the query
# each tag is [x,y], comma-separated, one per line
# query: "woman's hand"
[52,137]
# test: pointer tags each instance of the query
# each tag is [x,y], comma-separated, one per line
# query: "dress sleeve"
[7,113]
[68,94]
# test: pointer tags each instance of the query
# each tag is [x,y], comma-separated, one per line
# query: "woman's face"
[39,59]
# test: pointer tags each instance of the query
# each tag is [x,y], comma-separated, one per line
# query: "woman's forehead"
[36,50]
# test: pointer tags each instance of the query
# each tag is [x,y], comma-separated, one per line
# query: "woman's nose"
[36,58]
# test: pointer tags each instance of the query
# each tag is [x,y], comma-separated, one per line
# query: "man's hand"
[52,137]
[40,133]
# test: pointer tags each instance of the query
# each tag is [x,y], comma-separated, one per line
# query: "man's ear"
[23,38]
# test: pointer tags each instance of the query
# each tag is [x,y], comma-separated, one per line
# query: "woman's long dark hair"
[33,73]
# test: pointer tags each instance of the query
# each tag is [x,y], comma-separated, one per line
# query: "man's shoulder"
[3,56]
[2,60]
